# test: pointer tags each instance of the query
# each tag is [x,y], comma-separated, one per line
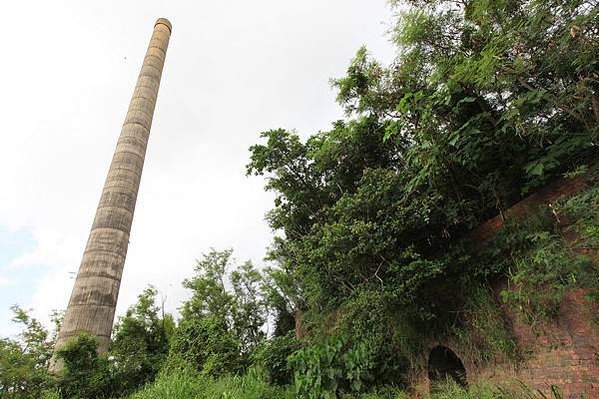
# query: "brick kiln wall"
[566,352]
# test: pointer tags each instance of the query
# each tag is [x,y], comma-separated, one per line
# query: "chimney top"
[164,22]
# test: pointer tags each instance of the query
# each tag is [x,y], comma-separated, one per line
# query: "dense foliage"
[140,343]
[485,102]
[272,356]
[24,361]
[84,374]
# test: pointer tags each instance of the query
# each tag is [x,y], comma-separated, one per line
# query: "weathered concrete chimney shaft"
[94,297]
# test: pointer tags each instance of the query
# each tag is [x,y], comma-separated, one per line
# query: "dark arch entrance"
[443,365]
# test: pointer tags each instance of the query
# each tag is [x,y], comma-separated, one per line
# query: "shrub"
[540,277]
[273,356]
[329,368]
[207,344]
[85,374]
[583,210]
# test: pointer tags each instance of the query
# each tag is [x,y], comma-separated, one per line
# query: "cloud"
[233,69]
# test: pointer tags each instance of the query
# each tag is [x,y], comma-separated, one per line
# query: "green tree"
[140,342]
[207,344]
[228,310]
[496,95]
[85,373]
[250,309]
[284,297]
[24,361]
[209,294]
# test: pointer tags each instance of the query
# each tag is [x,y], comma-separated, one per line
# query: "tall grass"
[512,390]
[182,384]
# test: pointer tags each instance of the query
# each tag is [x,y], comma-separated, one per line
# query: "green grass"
[512,390]
[484,335]
[181,384]
[50,395]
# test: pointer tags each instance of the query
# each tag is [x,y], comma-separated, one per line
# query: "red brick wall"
[544,197]
[566,353]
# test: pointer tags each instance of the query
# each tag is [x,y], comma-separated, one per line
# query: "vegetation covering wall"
[556,351]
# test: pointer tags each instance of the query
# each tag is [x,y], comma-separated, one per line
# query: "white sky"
[233,69]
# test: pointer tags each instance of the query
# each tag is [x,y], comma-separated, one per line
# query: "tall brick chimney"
[93,300]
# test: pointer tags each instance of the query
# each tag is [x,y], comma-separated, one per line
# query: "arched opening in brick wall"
[443,365]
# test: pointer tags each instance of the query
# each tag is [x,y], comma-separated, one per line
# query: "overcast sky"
[233,69]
